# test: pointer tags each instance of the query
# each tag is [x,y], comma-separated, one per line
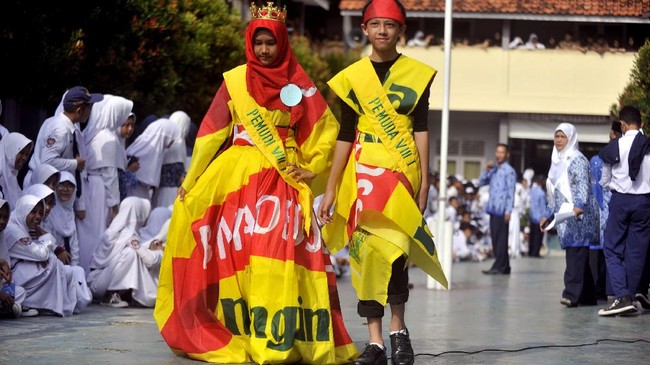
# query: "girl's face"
[126,130]
[50,202]
[22,157]
[4,217]
[53,181]
[265,47]
[560,140]
[65,190]
[35,217]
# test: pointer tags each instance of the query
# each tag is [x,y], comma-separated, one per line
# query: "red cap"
[383,9]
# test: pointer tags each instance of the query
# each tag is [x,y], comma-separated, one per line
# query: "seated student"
[461,243]
[50,286]
[46,195]
[116,268]
[61,222]
[11,295]
[45,174]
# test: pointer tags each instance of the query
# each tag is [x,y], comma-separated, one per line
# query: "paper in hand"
[565,212]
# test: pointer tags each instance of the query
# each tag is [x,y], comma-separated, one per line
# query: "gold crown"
[269,12]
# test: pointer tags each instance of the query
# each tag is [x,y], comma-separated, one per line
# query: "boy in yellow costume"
[375,182]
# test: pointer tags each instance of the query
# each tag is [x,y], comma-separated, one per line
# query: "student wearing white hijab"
[105,154]
[45,174]
[116,267]
[6,277]
[15,149]
[149,148]
[174,163]
[49,285]
[61,221]
[569,182]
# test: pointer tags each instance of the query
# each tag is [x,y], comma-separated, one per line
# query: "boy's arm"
[341,154]
[422,144]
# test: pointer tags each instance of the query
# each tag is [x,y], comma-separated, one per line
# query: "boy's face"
[383,33]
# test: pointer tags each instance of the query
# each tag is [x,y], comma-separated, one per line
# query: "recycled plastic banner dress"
[241,279]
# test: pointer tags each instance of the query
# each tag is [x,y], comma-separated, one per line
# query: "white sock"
[402,331]
[377,344]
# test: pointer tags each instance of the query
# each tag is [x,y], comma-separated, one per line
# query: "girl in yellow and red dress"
[245,276]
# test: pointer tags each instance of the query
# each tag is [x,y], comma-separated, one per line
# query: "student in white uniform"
[45,174]
[61,221]
[3,130]
[104,156]
[155,221]
[149,148]
[11,295]
[116,267]
[174,164]
[15,149]
[151,251]
[50,286]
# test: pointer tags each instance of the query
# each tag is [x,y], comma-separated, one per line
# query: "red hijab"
[265,82]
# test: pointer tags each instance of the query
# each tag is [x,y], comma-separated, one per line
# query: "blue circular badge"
[290,95]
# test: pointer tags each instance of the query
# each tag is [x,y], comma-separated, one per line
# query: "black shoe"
[568,303]
[620,305]
[372,355]
[490,272]
[401,351]
[643,300]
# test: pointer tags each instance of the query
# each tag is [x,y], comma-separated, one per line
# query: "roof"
[600,8]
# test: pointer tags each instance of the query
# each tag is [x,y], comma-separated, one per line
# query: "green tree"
[637,91]
[163,54]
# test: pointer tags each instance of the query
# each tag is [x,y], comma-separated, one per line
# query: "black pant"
[499,234]
[398,291]
[598,272]
[536,237]
[578,282]
[645,278]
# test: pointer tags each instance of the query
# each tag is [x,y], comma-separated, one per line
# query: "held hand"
[577,211]
[325,206]
[489,165]
[80,214]
[157,245]
[542,224]
[300,174]
[5,271]
[506,217]
[64,256]
[81,163]
[423,197]
[133,167]
[181,193]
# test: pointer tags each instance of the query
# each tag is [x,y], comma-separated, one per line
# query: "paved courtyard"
[514,319]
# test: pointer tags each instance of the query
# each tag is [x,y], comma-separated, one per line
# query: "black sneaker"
[372,355]
[401,351]
[643,300]
[619,306]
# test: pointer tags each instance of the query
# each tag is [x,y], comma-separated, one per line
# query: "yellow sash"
[258,122]
[377,103]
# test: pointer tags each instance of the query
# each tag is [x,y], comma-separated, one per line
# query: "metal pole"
[442,242]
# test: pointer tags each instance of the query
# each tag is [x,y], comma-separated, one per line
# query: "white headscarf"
[124,228]
[155,221]
[102,132]
[40,191]
[42,173]
[4,251]
[178,152]
[17,226]
[558,177]
[62,218]
[149,147]
[10,146]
